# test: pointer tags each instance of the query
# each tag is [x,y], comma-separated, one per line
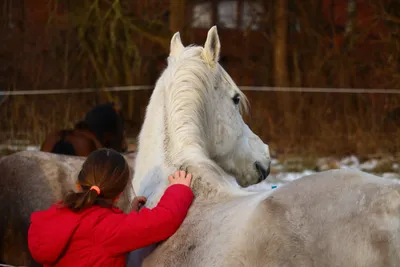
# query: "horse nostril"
[269,168]
[262,171]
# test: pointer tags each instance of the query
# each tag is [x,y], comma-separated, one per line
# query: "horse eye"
[236,99]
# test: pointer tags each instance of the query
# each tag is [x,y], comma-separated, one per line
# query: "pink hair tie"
[96,188]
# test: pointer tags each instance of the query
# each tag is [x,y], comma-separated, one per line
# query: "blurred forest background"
[56,44]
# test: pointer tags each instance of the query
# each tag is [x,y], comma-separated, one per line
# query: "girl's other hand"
[138,202]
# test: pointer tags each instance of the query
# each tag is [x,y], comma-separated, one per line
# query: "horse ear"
[176,45]
[212,47]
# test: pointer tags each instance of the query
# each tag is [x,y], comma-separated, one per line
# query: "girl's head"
[103,177]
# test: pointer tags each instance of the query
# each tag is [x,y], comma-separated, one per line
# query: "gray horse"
[32,181]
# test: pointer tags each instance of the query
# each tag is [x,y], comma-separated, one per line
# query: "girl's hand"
[180,177]
[138,202]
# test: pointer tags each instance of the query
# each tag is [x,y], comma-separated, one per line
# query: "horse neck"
[149,165]
[153,163]
[153,167]
[208,182]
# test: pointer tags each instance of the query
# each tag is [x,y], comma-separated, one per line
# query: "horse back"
[29,181]
[332,218]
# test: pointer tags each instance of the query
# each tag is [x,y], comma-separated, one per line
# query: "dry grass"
[324,124]
[307,124]
[105,43]
[33,117]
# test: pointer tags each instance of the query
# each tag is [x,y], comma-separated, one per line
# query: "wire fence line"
[243,88]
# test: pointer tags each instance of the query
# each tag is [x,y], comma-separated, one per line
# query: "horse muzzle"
[262,171]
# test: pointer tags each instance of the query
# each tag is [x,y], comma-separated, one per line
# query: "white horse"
[193,121]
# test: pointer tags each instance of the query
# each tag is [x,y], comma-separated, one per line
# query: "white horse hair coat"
[193,121]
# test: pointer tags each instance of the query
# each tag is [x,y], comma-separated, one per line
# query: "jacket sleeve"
[139,229]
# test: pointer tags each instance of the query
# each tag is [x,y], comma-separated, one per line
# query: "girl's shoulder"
[99,213]
[95,209]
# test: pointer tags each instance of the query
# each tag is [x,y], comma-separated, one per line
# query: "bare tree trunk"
[350,23]
[297,79]
[280,54]
[176,15]
[345,76]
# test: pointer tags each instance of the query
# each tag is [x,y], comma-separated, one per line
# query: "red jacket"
[102,236]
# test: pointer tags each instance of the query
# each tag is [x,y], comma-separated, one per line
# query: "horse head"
[194,118]
[201,93]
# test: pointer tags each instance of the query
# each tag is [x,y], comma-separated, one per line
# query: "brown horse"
[74,142]
[103,126]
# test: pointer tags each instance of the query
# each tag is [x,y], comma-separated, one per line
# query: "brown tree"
[177,15]
[280,49]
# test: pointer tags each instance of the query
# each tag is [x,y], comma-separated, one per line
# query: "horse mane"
[187,93]
[188,82]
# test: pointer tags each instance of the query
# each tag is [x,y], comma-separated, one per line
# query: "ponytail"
[77,201]
[103,177]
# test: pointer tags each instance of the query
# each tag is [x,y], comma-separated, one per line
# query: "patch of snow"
[369,165]
[32,148]
[290,176]
[350,162]
[274,161]
[391,175]
[278,179]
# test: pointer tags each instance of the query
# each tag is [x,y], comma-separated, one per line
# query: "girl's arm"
[139,229]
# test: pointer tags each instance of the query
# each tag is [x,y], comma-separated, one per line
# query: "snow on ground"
[289,169]
[276,180]
[279,175]
[14,147]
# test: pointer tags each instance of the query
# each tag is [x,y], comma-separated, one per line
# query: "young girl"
[85,229]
